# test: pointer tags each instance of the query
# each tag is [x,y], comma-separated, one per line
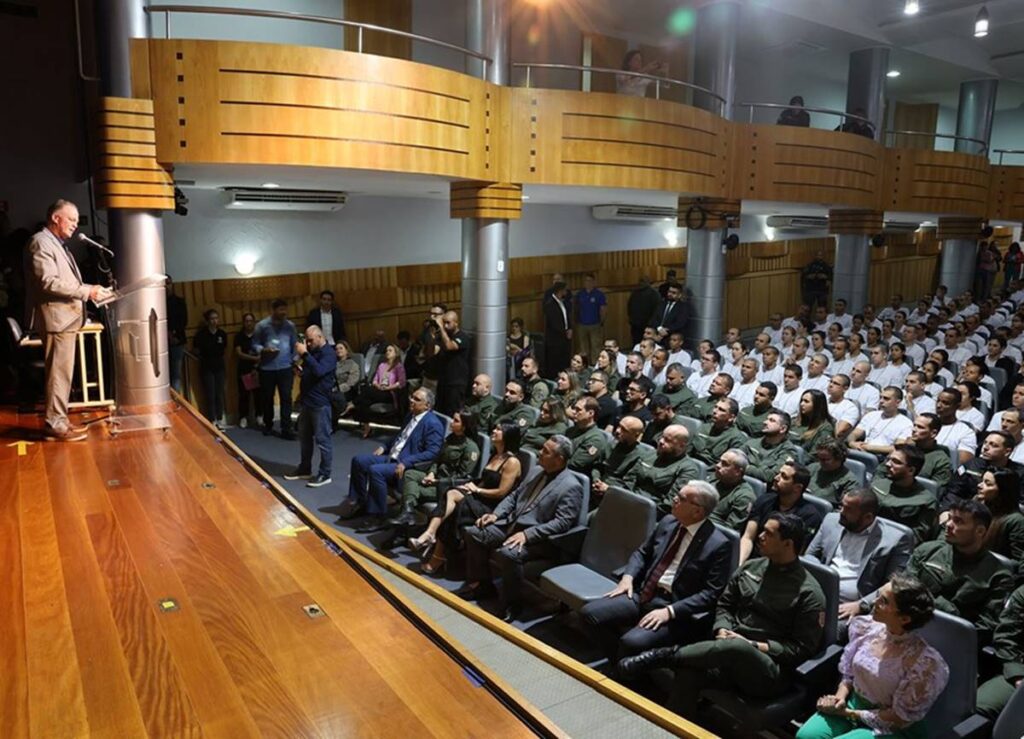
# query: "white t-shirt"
[958,437]
[972,417]
[700,384]
[884,431]
[744,394]
[815,383]
[885,376]
[775,374]
[922,404]
[789,401]
[866,396]
[844,410]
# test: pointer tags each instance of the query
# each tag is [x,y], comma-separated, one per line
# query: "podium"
[94,392]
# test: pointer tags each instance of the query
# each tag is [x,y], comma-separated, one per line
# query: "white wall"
[758,82]
[1008,133]
[374,231]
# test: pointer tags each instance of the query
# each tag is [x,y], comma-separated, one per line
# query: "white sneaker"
[243,423]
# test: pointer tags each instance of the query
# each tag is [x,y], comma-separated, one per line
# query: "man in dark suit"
[865,551]
[557,331]
[328,319]
[547,502]
[678,572]
[419,442]
[672,314]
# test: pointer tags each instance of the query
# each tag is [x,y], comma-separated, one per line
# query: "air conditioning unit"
[901,227]
[258,198]
[635,213]
[797,223]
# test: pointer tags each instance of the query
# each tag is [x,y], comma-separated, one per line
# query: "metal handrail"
[1000,152]
[658,80]
[286,15]
[979,142]
[777,106]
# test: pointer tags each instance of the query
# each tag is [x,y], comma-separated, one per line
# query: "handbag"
[251,380]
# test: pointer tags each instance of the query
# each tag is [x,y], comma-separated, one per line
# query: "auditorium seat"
[760,487]
[858,469]
[957,641]
[869,460]
[1011,720]
[823,505]
[622,523]
[692,424]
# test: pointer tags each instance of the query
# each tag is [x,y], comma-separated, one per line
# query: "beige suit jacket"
[57,294]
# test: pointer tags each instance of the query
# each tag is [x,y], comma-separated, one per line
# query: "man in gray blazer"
[57,296]
[866,551]
[545,503]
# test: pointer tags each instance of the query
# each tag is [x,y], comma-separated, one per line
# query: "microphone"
[98,245]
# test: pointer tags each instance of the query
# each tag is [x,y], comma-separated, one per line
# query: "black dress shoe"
[478,592]
[373,525]
[348,510]
[405,518]
[647,661]
[511,613]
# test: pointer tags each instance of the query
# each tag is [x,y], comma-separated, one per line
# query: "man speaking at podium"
[57,296]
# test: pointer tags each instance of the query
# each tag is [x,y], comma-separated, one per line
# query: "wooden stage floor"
[95,536]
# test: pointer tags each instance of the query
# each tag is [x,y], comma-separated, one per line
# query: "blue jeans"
[281,381]
[315,425]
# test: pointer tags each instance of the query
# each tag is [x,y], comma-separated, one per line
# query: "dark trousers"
[450,398]
[245,399]
[636,332]
[315,428]
[281,381]
[608,618]
[557,352]
[728,664]
[213,393]
[481,542]
[369,476]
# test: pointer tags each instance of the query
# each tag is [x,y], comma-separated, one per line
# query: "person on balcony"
[861,128]
[626,84]
[794,115]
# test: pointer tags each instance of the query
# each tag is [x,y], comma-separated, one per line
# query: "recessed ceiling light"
[270,185]
[911,7]
[893,73]
[981,23]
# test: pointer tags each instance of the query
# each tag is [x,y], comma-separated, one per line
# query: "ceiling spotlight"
[245,264]
[911,7]
[893,73]
[981,23]
[270,185]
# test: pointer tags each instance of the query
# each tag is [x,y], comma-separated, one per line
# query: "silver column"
[487,32]
[865,84]
[974,114]
[141,365]
[705,279]
[956,269]
[485,293]
[852,266]
[714,55]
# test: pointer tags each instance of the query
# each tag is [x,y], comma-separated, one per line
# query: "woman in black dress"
[246,362]
[460,506]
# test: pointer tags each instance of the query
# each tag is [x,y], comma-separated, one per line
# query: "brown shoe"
[66,434]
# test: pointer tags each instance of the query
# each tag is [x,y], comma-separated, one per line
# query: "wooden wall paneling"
[395,14]
[608,52]
[127,173]
[936,182]
[921,117]
[138,55]
[1006,193]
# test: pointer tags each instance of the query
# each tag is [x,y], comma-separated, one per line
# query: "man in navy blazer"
[327,318]
[418,442]
[680,571]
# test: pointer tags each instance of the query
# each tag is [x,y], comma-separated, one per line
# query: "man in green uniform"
[750,420]
[536,388]
[937,464]
[829,477]
[512,409]
[735,496]
[720,388]
[662,416]
[769,619]
[963,576]
[1008,641]
[589,444]
[768,453]
[714,437]
[660,478]
[481,403]
[620,467]
[901,498]
[681,397]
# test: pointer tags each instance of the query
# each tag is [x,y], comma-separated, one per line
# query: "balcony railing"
[361,28]
[981,146]
[841,115]
[1011,152]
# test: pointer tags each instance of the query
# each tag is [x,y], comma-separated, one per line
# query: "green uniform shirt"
[535,436]
[973,588]
[537,390]
[682,399]
[654,430]
[458,458]
[484,409]
[750,420]
[779,604]
[797,434]
[766,461]
[915,507]
[703,407]
[620,467]
[734,505]
[520,415]
[659,479]
[708,447]
[1008,638]
[831,486]
[937,467]
[1009,537]
[589,449]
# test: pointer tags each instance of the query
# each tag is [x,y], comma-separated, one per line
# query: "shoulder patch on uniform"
[473,456]
[522,421]
[591,450]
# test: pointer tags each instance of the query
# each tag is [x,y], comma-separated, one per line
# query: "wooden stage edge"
[355,552]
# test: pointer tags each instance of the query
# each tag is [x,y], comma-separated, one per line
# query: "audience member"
[481,403]
[317,362]
[719,433]
[830,479]
[767,453]
[794,115]
[557,330]
[551,422]
[247,375]
[328,318]
[660,477]
[453,365]
[787,496]
[387,383]
[620,467]
[735,496]
[591,311]
[643,302]
[274,340]
[210,343]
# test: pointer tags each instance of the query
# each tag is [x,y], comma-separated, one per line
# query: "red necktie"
[651,584]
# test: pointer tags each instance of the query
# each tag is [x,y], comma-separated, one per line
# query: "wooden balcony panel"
[1006,195]
[919,180]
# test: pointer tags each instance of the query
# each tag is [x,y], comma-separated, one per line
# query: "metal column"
[974,114]
[850,274]
[705,279]
[865,84]
[956,270]
[141,361]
